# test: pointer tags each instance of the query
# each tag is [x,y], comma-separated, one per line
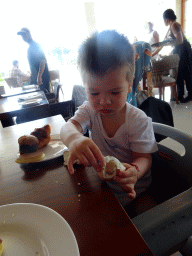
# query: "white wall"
[178,10]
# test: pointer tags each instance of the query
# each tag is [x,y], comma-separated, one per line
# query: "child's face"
[108,94]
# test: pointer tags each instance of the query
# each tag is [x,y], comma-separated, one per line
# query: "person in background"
[106,62]
[183,48]
[37,61]
[15,72]
[153,37]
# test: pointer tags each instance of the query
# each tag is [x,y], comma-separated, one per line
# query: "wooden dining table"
[9,92]
[98,221]
[13,106]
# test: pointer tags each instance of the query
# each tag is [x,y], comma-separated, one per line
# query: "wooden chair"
[57,95]
[12,82]
[54,76]
[163,74]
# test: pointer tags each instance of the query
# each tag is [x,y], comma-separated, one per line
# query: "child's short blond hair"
[106,51]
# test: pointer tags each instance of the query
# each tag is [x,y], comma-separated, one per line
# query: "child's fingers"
[132,195]
[70,165]
[98,155]
[126,180]
[129,188]
[91,159]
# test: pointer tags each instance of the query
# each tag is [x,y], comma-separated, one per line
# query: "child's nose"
[104,100]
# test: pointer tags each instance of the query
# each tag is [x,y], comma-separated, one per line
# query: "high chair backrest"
[168,225]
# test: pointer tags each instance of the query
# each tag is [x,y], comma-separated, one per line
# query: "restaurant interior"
[44,210]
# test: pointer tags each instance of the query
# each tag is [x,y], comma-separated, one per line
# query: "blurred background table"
[12,106]
[20,90]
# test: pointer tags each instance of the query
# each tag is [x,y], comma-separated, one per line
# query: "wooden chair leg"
[175,93]
[163,89]
[150,90]
[159,93]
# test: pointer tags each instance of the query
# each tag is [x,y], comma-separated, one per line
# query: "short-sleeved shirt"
[18,74]
[35,55]
[135,135]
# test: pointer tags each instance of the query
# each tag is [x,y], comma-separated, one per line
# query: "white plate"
[54,149]
[35,230]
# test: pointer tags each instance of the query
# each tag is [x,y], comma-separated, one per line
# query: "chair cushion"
[167,80]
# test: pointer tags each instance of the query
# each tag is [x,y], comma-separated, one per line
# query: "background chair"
[12,82]
[78,95]
[163,213]
[57,95]
[164,73]
[160,112]
[54,77]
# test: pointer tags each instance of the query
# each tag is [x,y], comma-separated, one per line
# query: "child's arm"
[143,161]
[128,178]
[80,147]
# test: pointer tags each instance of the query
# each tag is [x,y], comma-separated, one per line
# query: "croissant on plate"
[43,135]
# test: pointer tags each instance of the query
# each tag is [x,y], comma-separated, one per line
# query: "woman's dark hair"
[169,14]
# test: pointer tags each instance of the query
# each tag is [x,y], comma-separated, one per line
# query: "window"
[187,18]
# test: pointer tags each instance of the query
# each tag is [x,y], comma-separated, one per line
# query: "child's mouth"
[105,111]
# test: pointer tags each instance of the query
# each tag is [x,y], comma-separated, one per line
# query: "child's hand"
[127,180]
[87,152]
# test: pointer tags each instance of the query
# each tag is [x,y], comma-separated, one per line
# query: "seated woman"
[15,72]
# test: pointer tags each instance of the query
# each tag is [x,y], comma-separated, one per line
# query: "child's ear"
[130,87]
[130,83]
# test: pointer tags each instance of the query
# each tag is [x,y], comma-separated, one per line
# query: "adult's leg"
[180,83]
[187,75]
[186,70]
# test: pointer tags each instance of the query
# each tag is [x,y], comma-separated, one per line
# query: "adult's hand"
[39,80]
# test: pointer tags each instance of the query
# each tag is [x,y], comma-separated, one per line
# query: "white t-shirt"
[136,134]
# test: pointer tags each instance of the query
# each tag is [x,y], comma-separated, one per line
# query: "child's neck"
[111,123]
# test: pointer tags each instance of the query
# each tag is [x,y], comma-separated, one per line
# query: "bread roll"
[28,144]
[113,165]
[43,135]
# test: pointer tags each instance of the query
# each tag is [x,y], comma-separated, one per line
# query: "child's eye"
[115,93]
[94,93]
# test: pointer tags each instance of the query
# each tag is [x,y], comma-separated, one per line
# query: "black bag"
[160,112]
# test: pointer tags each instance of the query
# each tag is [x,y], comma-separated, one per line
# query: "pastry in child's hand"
[43,135]
[1,247]
[28,144]
[112,166]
